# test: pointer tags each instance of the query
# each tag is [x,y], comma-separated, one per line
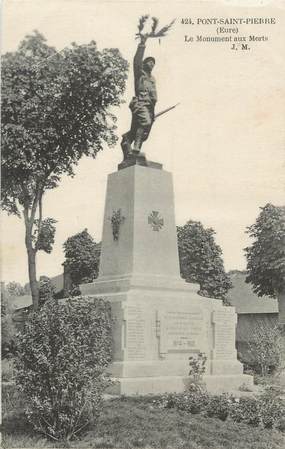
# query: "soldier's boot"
[126,145]
[139,139]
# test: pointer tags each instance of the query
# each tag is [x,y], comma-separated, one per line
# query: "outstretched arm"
[138,59]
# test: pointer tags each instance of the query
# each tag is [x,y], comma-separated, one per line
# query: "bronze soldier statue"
[143,103]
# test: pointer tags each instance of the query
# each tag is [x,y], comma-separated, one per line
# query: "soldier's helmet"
[149,58]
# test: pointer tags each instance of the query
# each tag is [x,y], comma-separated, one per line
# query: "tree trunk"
[33,276]
[281,307]
[31,252]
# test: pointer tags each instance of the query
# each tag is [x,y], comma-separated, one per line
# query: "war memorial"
[159,319]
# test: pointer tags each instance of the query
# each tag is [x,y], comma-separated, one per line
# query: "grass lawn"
[133,423]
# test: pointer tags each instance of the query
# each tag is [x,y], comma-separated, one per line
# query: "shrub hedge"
[267,409]
[62,355]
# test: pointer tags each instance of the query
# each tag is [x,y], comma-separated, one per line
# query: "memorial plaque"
[224,334]
[135,332]
[181,331]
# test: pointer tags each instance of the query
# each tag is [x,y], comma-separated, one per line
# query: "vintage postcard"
[129,125]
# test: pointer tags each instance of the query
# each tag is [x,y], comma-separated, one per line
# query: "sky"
[224,143]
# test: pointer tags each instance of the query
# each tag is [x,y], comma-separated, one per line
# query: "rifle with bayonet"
[165,110]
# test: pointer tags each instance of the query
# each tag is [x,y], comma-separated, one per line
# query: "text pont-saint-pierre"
[229,21]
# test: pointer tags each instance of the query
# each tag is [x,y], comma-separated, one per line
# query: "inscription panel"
[181,331]
[135,325]
[224,334]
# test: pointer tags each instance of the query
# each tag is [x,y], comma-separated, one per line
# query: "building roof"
[19,302]
[57,282]
[243,298]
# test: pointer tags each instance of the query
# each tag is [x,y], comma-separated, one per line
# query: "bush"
[192,401]
[267,409]
[272,408]
[46,290]
[218,406]
[8,330]
[265,348]
[246,410]
[166,400]
[61,358]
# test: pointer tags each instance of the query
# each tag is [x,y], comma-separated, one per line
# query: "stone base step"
[178,384]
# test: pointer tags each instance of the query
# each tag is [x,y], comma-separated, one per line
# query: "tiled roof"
[245,300]
[57,281]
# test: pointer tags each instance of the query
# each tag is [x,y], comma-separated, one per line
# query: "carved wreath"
[116,220]
[155,220]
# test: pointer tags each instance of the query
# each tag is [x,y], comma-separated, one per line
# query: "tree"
[81,259]
[201,261]
[55,109]
[15,289]
[27,289]
[266,255]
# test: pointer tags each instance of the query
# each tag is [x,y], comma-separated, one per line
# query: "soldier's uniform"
[142,105]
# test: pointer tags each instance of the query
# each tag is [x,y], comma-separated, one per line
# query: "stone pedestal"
[159,320]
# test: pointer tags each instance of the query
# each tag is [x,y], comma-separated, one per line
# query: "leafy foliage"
[218,406]
[266,256]
[201,260]
[47,290]
[135,422]
[44,234]
[8,333]
[81,259]
[153,33]
[14,289]
[61,359]
[272,408]
[246,410]
[142,21]
[193,401]
[265,347]
[266,409]
[56,108]
[8,330]
[197,364]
